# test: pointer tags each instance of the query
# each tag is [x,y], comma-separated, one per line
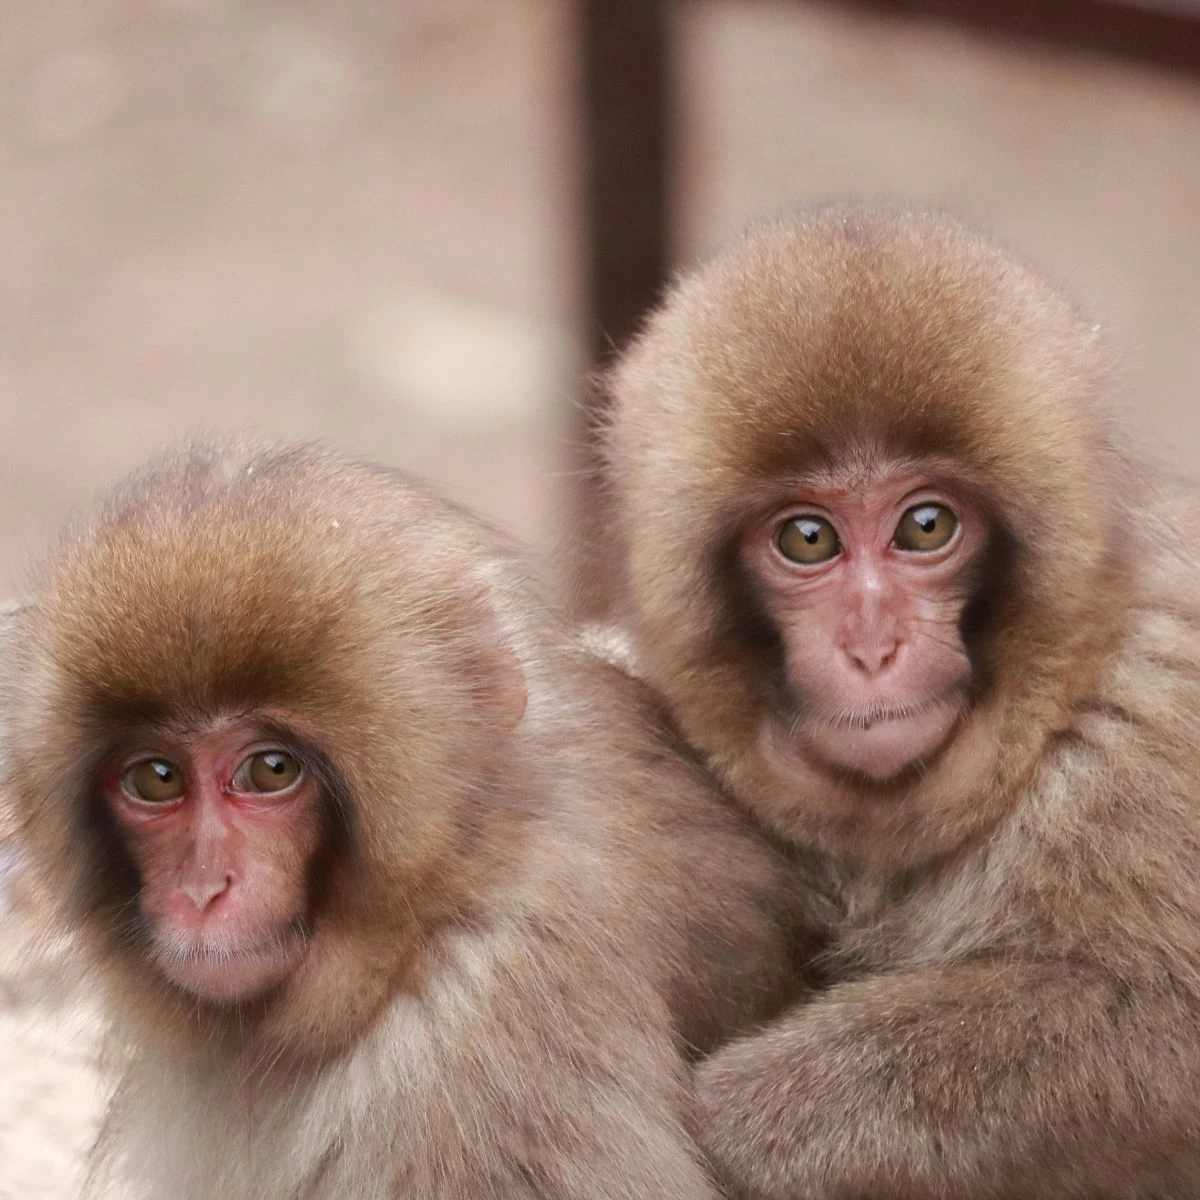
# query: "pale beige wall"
[350,219]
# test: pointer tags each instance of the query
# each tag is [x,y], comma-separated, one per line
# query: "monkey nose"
[204,889]
[873,658]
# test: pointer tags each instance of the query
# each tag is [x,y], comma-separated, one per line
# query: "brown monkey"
[393,891]
[896,582]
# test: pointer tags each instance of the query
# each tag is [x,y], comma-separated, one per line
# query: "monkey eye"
[807,539]
[155,780]
[925,527]
[267,771]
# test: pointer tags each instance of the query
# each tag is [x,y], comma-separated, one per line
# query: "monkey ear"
[500,684]
[498,672]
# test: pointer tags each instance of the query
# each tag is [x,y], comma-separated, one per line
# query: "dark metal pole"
[624,76]
[1163,32]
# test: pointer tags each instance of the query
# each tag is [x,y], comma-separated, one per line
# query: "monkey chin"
[228,973]
[886,747]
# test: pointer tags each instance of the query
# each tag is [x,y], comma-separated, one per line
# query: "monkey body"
[1027,1041]
[441,1096]
[897,583]
[391,888]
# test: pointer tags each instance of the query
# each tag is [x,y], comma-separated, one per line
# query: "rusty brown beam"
[624,51]
[625,78]
[627,118]
[1165,33]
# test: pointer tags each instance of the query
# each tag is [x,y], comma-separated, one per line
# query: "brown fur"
[514,933]
[1015,999]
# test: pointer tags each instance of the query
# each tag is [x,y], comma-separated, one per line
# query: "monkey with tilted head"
[391,887]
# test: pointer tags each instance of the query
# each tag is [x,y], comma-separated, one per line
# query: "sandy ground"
[354,221]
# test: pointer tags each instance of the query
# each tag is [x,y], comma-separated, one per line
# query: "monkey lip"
[882,741]
[228,970]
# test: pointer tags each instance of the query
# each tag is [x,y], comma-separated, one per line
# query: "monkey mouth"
[881,740]
[868,716]
[226,970]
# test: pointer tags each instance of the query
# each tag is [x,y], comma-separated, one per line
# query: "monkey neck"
[875,831]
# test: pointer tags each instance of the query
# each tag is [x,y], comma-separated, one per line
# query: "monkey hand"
[917,1084]
[758,1116]
[814,1107]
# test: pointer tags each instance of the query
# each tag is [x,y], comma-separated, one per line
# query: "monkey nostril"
[873,660]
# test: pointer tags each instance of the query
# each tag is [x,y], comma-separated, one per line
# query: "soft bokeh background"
[359,221]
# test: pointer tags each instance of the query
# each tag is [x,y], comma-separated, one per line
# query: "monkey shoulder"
[722,917]
[1098,865]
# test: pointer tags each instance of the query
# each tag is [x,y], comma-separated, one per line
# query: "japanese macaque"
[895,576]
[393,891]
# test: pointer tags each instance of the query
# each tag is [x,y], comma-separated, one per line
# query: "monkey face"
[865,584]
[221,825]
[261,700]
[774,432]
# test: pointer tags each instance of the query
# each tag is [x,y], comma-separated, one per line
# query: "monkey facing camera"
[898,581]
[392,888]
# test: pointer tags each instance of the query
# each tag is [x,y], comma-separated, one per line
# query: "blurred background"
[410,227]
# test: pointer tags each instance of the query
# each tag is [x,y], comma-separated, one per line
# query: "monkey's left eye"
[154,781]
[925,527]
[807,539]
[267,771]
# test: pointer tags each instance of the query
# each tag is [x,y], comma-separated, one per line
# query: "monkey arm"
[974,1079]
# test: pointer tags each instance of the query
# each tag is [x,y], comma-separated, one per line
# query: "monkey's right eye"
[807,539]
[267,771]
[155,781]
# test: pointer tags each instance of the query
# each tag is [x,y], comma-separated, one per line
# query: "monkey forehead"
[846,335]
[241,574]
[853,326]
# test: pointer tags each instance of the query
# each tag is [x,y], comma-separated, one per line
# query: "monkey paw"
[753,1126]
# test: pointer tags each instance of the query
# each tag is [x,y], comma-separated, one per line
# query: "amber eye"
[807,539]
[925,527]
[267,771]
[156,781]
